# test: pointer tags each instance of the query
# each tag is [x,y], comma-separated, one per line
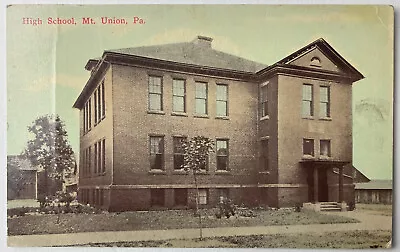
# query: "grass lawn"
[171,219]
[378,209]
[341,240]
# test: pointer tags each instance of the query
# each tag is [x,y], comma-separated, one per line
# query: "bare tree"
[196,152]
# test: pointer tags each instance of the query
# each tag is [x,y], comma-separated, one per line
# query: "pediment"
[319,55]
[315,59]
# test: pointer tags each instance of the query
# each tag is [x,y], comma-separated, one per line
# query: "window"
[325,148]
[179,96]
[86,162]
[203,196]
[315,61]
[156,153]
[178,152]
[222,100]
[264,100]
[157,197]
[201,98]
[307,103]
[264,155]
[308,147]
[87,116]
[181,196]
[99,157]
[222,155]
[99,103]
[223,194]
[155,94]
[324,101]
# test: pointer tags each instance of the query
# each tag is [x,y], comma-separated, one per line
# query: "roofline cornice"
[303,72]
[135,60]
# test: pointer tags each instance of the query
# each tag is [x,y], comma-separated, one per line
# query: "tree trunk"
[197,205]
[45,183]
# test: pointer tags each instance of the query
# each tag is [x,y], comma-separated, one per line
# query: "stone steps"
[329,206]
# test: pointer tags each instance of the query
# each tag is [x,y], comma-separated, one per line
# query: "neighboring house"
[283,133]
[21,178]
[375,191]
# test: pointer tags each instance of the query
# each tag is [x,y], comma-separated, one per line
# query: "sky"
[45,63]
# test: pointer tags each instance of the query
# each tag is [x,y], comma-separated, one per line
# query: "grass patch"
[337,240]
[171,219]
[378,209]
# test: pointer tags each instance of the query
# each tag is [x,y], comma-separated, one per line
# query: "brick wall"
[133,124]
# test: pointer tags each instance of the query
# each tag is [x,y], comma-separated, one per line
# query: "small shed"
[375,191]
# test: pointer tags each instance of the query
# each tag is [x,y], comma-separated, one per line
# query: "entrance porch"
[318,190]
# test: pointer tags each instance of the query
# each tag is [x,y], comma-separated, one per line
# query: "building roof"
[20,162]
[198,57]
[377,184]
[197,52]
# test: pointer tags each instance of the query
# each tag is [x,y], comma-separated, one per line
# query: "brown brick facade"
[283,180]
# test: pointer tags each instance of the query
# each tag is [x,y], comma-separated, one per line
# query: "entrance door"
[322,185]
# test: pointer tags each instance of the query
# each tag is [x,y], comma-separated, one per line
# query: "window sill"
[308,157]
[222,117]
[201,116]
[157,112]
[324,158]
[222,172]
[263,172]
[179,114]
[202,172]
[264,118]
[325,119]
[180,172]
[157,172]
[308,117]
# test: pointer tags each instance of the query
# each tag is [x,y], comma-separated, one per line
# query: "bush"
[225,208]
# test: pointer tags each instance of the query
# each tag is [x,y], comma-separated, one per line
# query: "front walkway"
[368,222]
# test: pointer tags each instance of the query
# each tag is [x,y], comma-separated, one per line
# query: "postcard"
[188,126]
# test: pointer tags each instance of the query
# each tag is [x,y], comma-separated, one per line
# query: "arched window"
[315,61]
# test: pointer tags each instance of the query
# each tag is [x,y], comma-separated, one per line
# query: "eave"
[300,71]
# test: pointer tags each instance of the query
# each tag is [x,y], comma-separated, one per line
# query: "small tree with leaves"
[196,152]
[50,149]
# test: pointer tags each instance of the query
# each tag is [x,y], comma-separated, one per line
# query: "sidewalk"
[368,222]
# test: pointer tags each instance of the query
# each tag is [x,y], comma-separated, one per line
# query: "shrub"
[225,208]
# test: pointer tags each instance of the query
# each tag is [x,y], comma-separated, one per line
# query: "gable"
[322,58]
[316,59]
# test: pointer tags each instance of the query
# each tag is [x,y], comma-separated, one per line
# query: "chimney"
[203,41]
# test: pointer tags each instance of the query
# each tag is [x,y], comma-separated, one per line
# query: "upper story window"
[155,93]
[307,102]
[178,152]
[87,116]
[156,152]
[222,100]
[264,155]
[264,100]
[325,148]
[308,147]
[222,154]
[99,103]
[324,101]
[201,98]
[179,95]
[315,61]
